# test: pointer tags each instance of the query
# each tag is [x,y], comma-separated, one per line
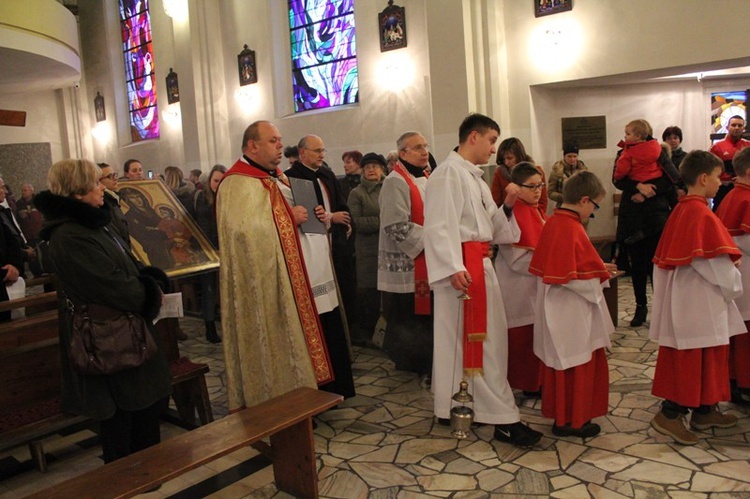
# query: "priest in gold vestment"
[272,336]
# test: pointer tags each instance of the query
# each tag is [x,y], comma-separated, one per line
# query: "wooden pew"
[286,419]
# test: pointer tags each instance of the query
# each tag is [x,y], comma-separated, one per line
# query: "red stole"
[693,231]
[290,245]
[530,219]
[564,251]
[421,284]
[475,308]
[734,210]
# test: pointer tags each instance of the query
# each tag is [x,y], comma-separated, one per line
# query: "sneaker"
[712,419]
[517,434]
[674,428]
[586,431]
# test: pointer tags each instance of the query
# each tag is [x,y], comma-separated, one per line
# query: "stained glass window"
[324,53]
[135,24]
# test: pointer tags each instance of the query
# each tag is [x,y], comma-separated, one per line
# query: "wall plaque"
[589,132]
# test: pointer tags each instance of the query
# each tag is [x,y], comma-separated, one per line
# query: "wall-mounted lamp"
[101,114]
[176,9]
[246,65]
[172,115]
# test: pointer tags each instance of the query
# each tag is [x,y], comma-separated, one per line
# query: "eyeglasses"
[418,148]
[110,176]
[533,187]
[596,205]
[318,151]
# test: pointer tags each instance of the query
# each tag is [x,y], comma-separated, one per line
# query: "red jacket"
[725,150]
[639,161]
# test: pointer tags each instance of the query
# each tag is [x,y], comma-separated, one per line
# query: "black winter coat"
[92,266]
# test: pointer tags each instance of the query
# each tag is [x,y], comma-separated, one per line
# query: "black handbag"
[104,340]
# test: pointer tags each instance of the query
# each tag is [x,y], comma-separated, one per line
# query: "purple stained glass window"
[324,53]
[135,23]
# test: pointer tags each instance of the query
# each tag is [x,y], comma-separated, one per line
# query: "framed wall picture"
[246,66]
[173,87]
[547,7]
[101,114]
[162,234]
[392,24]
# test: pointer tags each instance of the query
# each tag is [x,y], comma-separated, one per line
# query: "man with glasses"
[471,336]
[118,224]
[402,270]
[332,211]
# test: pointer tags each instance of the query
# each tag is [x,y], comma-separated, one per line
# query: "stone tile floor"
[383,443]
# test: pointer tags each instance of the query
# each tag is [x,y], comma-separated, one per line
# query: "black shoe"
[517,434]
[211,335]
[586,431]
[640,316]
[532,395]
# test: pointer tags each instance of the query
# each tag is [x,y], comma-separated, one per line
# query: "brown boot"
[712,419]
[674,428]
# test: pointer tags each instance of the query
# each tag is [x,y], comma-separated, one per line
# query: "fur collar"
[61,209]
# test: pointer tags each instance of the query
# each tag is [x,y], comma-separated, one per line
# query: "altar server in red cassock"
[695,284]
[518,286]
[734,213]
[572,324]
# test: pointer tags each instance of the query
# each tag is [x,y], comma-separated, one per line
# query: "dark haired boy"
[461,222]
[518,286]
[695,284]
[571,345]
[734,213]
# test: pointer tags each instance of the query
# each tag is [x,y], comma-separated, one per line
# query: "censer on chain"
[462,417]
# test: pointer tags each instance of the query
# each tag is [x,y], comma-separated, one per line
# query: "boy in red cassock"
[734,213]
[695,284]
[572,324]
[518,286]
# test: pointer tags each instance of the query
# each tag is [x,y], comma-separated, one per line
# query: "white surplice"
[743,301]
[572,322]
[518,286]
[694,304]
[459,208]
[316,249]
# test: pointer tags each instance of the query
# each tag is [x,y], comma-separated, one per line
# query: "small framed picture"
[246,65]
[101,114]
[173,87]
[392,24]
[547,7]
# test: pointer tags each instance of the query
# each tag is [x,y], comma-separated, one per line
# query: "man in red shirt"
[725,150]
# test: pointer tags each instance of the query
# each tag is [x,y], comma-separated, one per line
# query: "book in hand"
[304,195]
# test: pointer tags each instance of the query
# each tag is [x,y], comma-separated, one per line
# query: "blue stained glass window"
[324,53]
[135,23]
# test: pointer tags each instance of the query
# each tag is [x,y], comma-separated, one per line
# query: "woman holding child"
[646,176]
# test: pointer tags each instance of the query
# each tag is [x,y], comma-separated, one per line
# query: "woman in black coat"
[93,266]
[204,212]
[643,212]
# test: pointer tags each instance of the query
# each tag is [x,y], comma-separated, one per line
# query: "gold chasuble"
[272,337]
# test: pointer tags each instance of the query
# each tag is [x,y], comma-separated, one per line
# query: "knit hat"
[373,157]
[570,148]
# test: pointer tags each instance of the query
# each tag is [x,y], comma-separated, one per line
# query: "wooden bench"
[30,377]
[286,419]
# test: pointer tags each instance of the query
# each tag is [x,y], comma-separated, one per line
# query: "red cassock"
[525,368]
[734,213]
[564,253]
[693,376]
